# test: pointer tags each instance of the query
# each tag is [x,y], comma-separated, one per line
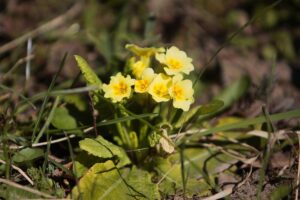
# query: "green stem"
[123,133]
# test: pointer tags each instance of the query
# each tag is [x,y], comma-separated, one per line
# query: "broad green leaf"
[76,100]
[105,181]
[63,120]
[233,92]
[83,162]
[206,109]
[28,154]
[104,149]
[200,165]
[281,192]
[89,75]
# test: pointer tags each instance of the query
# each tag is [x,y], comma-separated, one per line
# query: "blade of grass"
[28,189]
[26,100]
[246,123]
[39,119]
[48,121]
[74,173]
[54,93]
[124,119]
[268,153]
[182,168]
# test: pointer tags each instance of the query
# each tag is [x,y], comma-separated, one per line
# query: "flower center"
[160,90]
[174,63]
[142,84]
[178,92]
[121,88]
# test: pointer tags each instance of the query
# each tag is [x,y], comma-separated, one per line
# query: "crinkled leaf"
[105,181]
[90,76]
[63,120]
[28,154]
[102,148]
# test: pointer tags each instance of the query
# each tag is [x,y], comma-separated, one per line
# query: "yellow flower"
[138,67]
[118,88]
[159,88]
[176,61]
[141,86]
[181,92]
[144,52]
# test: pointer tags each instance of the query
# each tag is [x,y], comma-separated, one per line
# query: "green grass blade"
[124,119]
[39,119]
[48,121]
[246,123]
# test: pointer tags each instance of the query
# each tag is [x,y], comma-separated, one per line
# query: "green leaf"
[28,154]
[83,162]
[102,148]
[76,100]
[200,165]
[89,75]
[281,192]
[105,181]
[9,192]
[63,120]
[206,109]
[233,92]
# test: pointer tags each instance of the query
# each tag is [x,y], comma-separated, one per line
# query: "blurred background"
[265,47]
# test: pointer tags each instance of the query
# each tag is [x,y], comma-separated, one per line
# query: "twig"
[20,171]
[54,23]
[16,185]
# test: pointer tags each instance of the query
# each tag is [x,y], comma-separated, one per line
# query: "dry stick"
[16,185]
[298,173]
[20,171]
[54,23]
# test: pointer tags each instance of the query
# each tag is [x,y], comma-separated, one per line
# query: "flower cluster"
[164,86]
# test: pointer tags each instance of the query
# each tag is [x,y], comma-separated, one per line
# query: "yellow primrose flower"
[118,88]
[176,61]
[138,67]
[141,86]
[181,92]
[159,88]
[144,52]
